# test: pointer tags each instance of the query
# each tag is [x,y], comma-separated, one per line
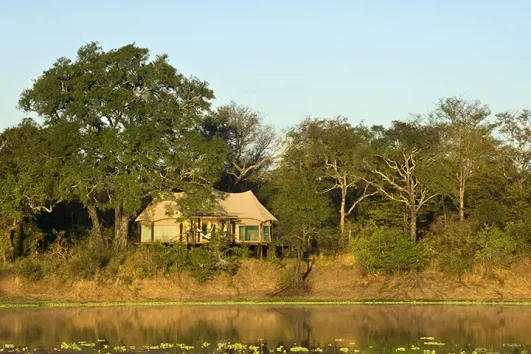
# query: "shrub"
[388,251]
[203,264]
[171,257]
[29,268]
[496,248]
[88,261]
[521,232]
[141,261]
[455,245]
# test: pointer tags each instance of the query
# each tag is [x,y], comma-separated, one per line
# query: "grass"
[288,302]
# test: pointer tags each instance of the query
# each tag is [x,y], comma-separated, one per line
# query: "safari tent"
[240,215]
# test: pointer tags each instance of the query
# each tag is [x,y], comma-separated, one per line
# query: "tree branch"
[362,197]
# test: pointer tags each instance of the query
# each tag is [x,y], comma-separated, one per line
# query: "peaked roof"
[237,205]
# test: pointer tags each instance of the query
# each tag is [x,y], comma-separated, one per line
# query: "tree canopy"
[115,129]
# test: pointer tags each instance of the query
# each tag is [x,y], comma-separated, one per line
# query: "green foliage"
[520,231]
[388,251]
[30,269]
[203,264]
[126,125]
[496,248]
[489,212]
[87,261]
[455,246]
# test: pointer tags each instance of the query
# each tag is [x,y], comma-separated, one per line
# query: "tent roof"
[236,205]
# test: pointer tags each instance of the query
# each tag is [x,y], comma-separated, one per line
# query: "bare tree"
[252,145]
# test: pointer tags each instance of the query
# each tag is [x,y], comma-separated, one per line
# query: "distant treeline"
[118,128]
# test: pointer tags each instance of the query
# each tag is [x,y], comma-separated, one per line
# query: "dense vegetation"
[118,128]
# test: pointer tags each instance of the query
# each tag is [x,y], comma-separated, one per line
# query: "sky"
[372,61]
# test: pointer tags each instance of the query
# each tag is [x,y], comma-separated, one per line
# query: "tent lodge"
[241,215]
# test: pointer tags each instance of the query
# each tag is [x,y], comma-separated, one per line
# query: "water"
[360,328]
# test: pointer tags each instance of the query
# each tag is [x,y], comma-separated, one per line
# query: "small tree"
[301,209]
[30,175]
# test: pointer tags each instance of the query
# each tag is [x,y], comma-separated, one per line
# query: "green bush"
[496,248]
[461,245]
[171,257]
[521,232]
[388,251]
[141,262]
[455,245]
[29,268]
[148,260]
[203,264]
[87,261]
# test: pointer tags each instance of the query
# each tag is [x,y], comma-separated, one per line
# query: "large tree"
[467,137]
[340,150]
[135,121]
[408,168]
[252,146]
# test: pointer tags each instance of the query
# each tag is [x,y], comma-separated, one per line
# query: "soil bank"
[330,279]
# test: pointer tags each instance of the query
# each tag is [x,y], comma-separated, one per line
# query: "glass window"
[267,233]
[145,235]
[249,233]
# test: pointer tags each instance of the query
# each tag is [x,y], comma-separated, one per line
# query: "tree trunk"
[342,212]
[121,228]
[117,220]
[11,255]
[19,247]
[97,233]
[461,196]
[297,279]
[413,222]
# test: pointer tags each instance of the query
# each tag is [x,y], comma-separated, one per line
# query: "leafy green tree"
[468,139]
[300,206]
[135,121]
[30,171]
[340,152]
[515,130]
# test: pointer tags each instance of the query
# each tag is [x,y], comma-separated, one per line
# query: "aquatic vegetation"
[512,345]
[425,344]
[263,302]
[71,346]
[438,344]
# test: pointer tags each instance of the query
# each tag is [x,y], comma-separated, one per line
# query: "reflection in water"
[379,326]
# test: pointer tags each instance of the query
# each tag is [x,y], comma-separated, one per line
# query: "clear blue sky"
[371,60]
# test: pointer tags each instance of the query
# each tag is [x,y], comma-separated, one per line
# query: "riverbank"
[331,281]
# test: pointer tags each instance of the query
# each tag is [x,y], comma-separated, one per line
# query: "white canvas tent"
[239,214]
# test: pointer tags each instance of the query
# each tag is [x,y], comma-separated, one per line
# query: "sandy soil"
[330,279]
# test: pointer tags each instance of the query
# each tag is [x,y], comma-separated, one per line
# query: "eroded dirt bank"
[330,279]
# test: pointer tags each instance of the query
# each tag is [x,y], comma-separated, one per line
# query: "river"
[224,329]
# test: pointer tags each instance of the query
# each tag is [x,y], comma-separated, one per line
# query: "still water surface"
[363,328]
